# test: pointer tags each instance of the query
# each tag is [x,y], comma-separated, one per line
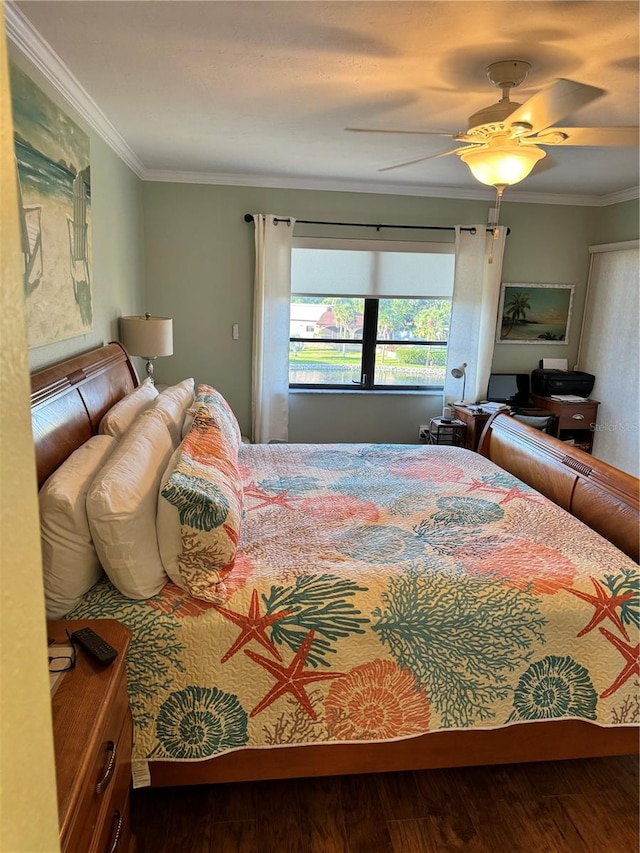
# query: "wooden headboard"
[604,498]
[69,399]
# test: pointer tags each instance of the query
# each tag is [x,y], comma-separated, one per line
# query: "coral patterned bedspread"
[381,592]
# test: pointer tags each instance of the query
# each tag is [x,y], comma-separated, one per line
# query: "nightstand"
[93,738]
[447,432]
[575,421]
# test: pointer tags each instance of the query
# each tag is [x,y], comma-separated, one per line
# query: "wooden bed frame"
[68,401]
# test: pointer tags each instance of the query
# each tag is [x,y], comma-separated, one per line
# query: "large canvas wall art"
[54,195]
[534,313]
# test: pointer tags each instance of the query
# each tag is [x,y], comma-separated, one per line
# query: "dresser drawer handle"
[116,838]
[111,766]
[577,417]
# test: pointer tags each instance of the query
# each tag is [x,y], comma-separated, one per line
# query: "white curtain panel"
[271,307]
[474,310]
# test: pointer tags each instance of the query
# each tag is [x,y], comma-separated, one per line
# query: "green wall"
[116,209]
[616,223]
[199,270]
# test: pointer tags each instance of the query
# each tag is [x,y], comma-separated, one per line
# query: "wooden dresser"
[93,736]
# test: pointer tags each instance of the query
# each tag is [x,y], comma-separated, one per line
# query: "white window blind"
[372,268]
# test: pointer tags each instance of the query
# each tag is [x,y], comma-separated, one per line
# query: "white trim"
[622,195]
[615,247]
[28,40]
[305,183]
[332,185]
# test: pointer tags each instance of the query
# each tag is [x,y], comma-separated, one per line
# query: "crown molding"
[305,183]
[622,195]
[328,185]
[30,43]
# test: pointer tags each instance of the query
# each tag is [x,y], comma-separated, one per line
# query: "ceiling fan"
[502,140]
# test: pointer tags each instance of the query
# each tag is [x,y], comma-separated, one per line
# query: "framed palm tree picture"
[534,313]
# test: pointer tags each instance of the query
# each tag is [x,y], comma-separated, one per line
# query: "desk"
[475,423]
[575,421]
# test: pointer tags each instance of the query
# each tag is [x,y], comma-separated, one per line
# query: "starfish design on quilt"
[605,606]
[631,655]
[252,627]
[281,498]
[290,679]
[509,494]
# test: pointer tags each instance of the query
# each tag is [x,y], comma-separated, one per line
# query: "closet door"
[609,350]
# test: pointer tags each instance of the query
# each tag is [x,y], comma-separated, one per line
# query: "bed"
[262,678]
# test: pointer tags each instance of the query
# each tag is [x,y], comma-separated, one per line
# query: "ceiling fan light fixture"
[502,162]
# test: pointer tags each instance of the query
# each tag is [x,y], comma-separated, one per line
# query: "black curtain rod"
[248,217]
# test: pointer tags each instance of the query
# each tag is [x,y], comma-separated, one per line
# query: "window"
[369,314]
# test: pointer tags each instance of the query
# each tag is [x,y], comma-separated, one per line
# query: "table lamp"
[148,337]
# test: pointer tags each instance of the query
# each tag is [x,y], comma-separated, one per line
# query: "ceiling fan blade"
[412,132]
[422,159]
[563,98]
[589,136]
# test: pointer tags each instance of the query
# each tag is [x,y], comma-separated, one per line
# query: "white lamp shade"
[149,337]
[502,163]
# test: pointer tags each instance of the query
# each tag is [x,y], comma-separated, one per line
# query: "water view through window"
[326,341]
[319,373]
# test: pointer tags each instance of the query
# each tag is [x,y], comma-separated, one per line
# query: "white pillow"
[168,527]
[69,560]
[122,504]
[120,417]
[187,423]
[173,403]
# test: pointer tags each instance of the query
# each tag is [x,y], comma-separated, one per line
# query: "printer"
[547,382]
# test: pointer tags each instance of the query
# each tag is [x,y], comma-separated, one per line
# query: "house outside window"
[369,314]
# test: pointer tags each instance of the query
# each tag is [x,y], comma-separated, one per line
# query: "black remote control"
[95,645]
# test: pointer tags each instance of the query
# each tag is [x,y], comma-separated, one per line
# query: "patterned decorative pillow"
[205,489]
[211,403]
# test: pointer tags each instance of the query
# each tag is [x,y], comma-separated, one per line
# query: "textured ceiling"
[264,90]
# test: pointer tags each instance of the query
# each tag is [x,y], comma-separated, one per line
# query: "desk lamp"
[460,373]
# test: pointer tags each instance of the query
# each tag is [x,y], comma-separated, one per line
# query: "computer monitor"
[508,388]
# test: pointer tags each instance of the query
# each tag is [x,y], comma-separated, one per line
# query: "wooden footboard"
[604,498]
[550,740]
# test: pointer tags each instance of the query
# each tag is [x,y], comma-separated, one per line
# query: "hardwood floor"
[560,807]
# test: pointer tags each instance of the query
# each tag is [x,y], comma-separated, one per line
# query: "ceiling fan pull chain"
[499,192]
[496,230]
